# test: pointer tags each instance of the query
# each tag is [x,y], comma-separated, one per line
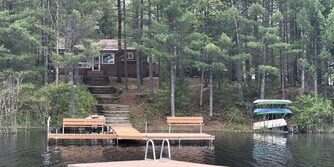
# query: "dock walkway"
[143,163]
[130,133]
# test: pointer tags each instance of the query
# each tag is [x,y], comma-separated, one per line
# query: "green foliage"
[53,100]
[269,69]
[224,40]
[212,50]
[256,9]
[158,108]
[277,17]
[254,45]
[182,94]
[312,113]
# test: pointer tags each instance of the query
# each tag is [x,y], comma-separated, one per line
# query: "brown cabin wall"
[111,69]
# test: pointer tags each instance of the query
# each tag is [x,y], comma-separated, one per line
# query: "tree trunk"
[303,80]
[303,73]
[57,41]
[119,41]
[125,48]
[263,85]
[137,38]
[172,86]
[211,95]
[45,44]
[150,56]
[72,91]
[263,79]
[159,61]
[315,81]
[201,94]
[315,78]
[140,37]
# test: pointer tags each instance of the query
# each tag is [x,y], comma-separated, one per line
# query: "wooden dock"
[82,136]
[143,163]
[130,133]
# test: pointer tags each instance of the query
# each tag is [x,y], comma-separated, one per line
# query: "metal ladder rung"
[161,151]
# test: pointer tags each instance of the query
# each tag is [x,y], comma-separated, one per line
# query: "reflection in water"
[271,149]
[29,148]
[107,153]
[270,138]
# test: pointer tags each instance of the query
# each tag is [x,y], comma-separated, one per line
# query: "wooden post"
[48,126]
[145,126]
[169,128]
[179,142]
[201,128]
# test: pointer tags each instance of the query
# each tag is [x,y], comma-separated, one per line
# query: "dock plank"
[143,163]
[81,136]
[130,133]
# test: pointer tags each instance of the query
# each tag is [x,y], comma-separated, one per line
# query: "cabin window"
[84,64]
[130,55]
[108,58]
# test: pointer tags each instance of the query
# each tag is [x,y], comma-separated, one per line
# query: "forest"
[240,51]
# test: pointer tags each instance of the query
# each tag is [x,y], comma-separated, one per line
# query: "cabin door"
[96,64]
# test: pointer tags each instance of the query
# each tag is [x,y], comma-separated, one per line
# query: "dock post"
[48,127]
[145,126]
[179,142]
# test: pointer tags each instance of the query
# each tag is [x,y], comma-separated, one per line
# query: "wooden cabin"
[106,63]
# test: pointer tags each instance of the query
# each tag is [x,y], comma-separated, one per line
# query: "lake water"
[29,148]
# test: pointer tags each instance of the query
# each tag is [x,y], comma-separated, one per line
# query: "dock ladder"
[161,151]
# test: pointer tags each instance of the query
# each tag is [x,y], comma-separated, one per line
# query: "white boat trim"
[270,124]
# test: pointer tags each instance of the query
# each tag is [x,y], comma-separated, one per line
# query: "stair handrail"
[168,147]
[153,149]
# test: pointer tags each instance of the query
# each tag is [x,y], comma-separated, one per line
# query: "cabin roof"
[106,45]
[271,101]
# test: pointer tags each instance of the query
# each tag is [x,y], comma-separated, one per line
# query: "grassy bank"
[311,114]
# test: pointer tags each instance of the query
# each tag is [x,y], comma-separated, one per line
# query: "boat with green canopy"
[272,112]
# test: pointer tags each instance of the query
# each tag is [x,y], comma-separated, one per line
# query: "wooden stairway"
[96,78]
[108,99]
[105,94]
[115,114]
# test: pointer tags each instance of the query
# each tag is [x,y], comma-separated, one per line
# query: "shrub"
[53,100]
[312,113]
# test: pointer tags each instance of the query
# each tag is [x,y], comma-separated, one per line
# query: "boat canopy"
[261,111]
[271,101]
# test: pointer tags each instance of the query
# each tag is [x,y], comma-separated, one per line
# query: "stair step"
[96,82]
[117,121]
[126,124]
[112,107]
[116,118]
[115,105]
[107,101]
[115,112]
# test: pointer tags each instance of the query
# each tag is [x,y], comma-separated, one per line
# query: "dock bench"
[184,121]
[83,123]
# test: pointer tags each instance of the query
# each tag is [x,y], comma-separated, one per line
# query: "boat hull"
[270,124]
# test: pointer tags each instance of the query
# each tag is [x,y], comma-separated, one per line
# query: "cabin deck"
[130,133]
[143,163]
